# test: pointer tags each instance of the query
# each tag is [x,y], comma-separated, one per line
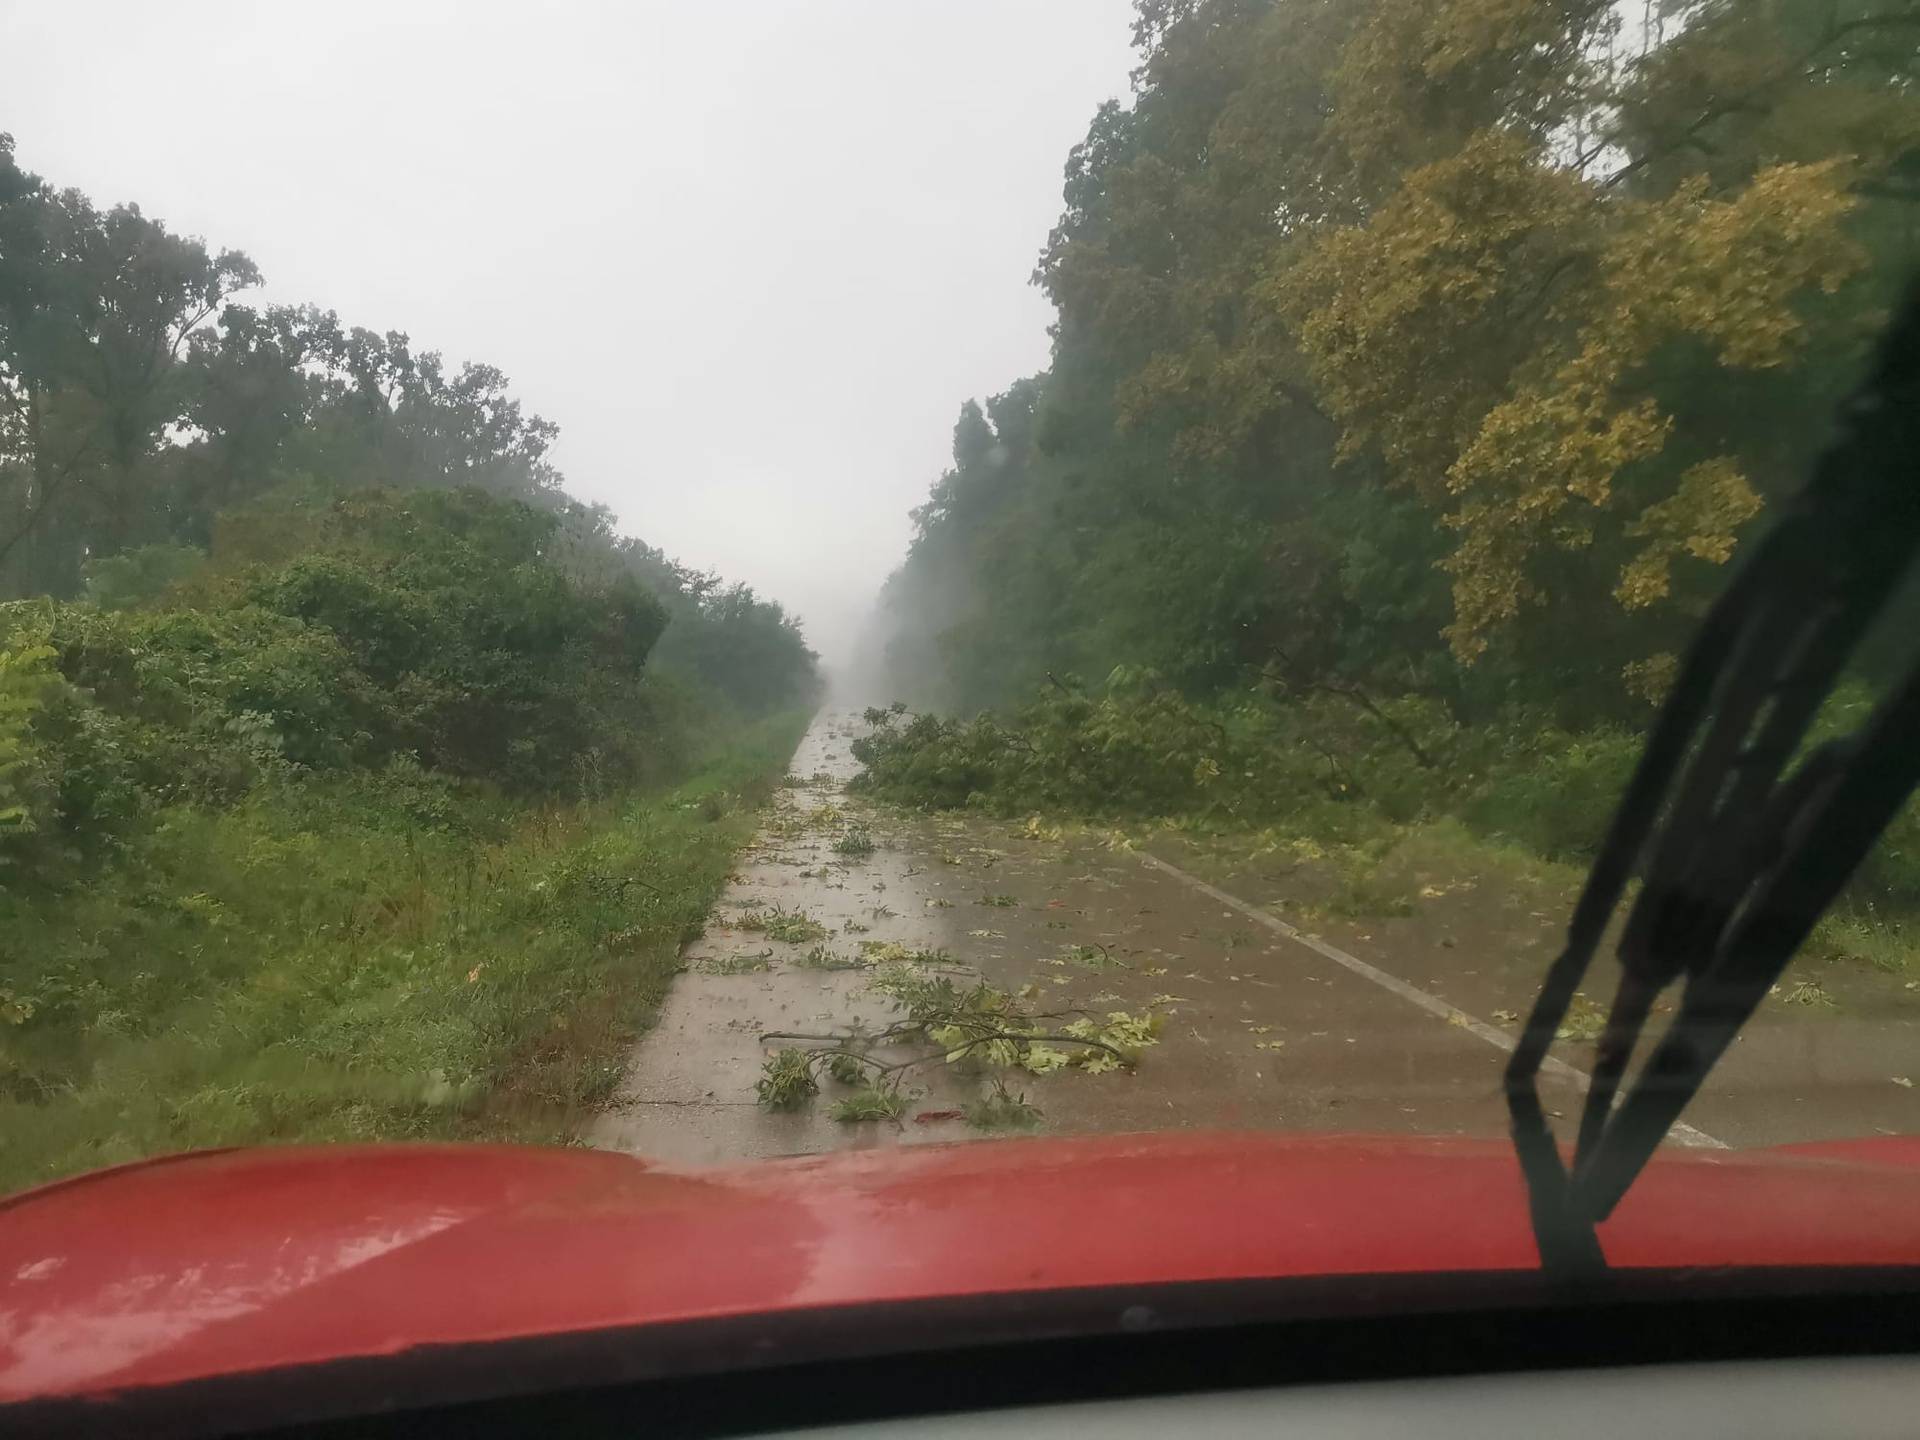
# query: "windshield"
[506,638]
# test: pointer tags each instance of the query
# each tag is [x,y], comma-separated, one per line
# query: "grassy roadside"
[369,959]
[1498,902]
[1392,870]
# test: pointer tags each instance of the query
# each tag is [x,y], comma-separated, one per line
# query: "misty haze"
[713,582]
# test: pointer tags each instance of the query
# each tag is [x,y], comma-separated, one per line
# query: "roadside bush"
[1329,766]
[212,676]
[139,576]
[1332,762]
[361,826]
[1554,793]
[424,633]
[498,666]
[1137,748]
[385,954]
[26,677]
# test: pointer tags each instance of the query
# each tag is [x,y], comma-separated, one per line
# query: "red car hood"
[234,1262]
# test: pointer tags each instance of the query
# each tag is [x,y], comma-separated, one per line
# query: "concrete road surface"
[1395,1026]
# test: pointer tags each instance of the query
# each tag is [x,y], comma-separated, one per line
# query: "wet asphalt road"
[1384,1027]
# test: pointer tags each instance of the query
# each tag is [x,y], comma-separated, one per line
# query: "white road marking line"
[1412,994]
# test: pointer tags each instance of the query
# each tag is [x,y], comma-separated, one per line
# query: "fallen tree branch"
[831,1045]
[1354,694]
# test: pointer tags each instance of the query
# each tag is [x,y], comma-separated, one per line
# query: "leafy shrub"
[311,962]
[494,663]
[786,1080]
[870,1102]
[139,576]
[738,964]
[428,632]
[212,675]
[822,958]
[794,927]
[1002,1109]
[26,677]
[1334,763]
[1137,748]
[845,1069]
[1555,793]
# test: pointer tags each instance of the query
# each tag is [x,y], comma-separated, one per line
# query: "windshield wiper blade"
[1742,839]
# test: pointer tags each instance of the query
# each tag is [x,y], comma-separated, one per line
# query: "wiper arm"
[1741,848]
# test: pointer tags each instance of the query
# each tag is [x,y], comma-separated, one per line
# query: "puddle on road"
[1259,1031]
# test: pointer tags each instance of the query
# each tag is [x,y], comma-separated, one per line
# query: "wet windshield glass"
[724,582]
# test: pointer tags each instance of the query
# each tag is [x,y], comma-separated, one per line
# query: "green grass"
[1857,933]
[318,964]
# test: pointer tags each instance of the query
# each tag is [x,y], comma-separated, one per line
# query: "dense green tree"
[146,414]
[1450,346]
[100,308]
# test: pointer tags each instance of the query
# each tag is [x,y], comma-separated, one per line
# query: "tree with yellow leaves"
[1452,329]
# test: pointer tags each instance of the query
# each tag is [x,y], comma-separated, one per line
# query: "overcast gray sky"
[750,256]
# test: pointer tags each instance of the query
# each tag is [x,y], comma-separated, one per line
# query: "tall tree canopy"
[141,398]
[1409,340]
